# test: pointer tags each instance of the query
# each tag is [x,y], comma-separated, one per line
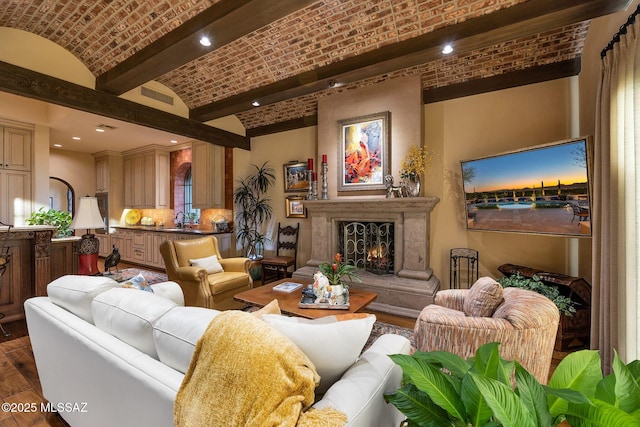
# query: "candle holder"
[325,184]
[310,180]
[315,190]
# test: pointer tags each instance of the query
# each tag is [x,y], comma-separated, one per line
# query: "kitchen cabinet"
[146,179]
[105,245]
[15,196]
[64,257]
[207,171]
[16,147]
[141,246]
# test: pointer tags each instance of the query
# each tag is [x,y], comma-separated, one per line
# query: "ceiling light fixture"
[57,145]
[76,138]
[255,103]
[447,49]
[173,141]
[99,130]
[204,41]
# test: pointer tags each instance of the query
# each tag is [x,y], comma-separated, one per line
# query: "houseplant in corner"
[442,389]
[253,210]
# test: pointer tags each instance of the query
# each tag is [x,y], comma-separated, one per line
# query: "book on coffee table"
[287,287]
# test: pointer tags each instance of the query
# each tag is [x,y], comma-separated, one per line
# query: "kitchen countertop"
[203,231]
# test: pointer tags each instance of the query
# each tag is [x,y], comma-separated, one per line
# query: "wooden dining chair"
[277,267]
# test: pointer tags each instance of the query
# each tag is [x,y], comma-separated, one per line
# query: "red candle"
[314,177]
[324,158]
[310,164]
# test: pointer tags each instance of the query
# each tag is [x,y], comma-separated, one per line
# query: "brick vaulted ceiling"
[289,53]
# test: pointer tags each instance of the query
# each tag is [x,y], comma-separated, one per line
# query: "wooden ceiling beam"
[522,20]
[31,84]
[223,22]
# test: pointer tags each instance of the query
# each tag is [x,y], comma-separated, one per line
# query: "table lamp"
[88,216]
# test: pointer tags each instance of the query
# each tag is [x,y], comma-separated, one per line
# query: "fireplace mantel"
[413,284]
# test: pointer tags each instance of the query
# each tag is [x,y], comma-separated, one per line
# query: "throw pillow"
[483,298]
[137,282]
[332,343]
[211,264]
[272,308]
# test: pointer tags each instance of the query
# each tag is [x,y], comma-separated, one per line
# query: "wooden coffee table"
[288,302]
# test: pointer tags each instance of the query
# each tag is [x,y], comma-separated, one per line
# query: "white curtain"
[616,204]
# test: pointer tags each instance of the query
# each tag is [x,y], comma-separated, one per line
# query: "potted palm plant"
[253,209]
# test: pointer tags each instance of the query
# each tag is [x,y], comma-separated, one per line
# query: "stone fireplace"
[388,239]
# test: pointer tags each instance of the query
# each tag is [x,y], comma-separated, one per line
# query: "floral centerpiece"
[329,285]
[417,161]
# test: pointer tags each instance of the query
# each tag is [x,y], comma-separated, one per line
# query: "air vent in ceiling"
[150,93]
[106,127]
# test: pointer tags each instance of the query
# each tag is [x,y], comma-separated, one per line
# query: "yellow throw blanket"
[245,373]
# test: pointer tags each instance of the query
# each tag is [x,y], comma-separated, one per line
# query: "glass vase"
[412,185]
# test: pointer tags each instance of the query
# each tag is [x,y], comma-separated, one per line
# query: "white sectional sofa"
[109,356]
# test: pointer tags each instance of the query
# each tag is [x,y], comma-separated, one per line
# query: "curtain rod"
[622,31]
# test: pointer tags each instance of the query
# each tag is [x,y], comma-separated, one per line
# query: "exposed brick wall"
[180,163]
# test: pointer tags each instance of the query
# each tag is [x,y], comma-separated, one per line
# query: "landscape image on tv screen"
[542,190]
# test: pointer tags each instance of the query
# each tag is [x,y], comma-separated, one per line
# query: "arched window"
[188,195]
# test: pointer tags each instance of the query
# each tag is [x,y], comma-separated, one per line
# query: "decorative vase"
[412,185]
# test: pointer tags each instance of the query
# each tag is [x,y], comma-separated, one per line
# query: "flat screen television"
[541,190]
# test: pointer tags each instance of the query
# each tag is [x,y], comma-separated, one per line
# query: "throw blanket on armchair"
[245,373]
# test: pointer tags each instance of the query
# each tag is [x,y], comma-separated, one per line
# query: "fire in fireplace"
[367,245]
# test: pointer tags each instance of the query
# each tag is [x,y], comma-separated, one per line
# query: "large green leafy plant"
[59,219]
[253,207]
[442,389]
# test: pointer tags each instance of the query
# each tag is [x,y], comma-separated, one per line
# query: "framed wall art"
[295,177]
[295,207]
[363,152]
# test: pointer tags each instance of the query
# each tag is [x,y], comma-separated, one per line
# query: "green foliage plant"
[253,207]
[442,389]
[59,219]
[564,304]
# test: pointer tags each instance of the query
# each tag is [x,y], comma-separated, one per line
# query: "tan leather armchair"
[200,288]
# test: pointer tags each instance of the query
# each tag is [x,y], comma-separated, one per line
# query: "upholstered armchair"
[204,282]
[525,324]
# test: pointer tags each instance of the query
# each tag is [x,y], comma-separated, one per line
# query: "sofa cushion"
[210,263]
[230,280]
[332,343]
[75,293]
[483,298]
[177,332]
[129,316]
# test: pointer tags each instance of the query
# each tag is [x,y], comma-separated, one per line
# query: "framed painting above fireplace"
[363,152]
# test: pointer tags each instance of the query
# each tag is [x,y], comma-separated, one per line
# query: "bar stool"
[5,257]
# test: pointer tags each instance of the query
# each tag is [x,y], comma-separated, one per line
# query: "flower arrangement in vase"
[329,285]
[417,161]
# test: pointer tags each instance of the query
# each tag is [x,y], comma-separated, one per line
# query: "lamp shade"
[88,215]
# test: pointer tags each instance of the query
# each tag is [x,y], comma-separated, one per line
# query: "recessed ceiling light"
[173,141]
[77,138]
[57,145]
[447,49]
[204,41]
[99,130]
[255,103]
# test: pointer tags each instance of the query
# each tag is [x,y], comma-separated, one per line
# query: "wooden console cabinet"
[573,331]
